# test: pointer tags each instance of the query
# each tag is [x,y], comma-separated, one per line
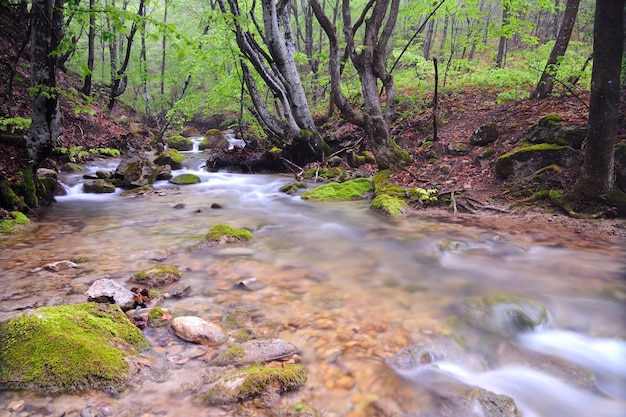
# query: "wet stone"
[250,284]
[255,351]
[107,290]
[196,330]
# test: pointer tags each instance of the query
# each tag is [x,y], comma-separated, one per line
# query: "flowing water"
[346,285]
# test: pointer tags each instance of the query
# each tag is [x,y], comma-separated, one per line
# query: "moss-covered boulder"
[356,189]
[8,198]
[185,179]
[157,275]
[98,186]
[248,383]
[67,348]
[330,174]
[214,139]
[139,173]
[392,199]
[553,129]
[505,314]
[170,157]
[225,233]
[255,351]
[71,167]
[527,160]
[293,187]
[180,143]
[16,222]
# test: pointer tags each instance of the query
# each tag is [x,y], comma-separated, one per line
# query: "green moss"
[10,226]
[174,155]
[257,379]
[551,120]
[29,188]
[420,194]
[230,356]
[534,148]
[155,317]
[179,143]
[8,198]
[235,319]
[292,187]
[157,275]
[336,173]
[72,347]
[226,232]
[275,150]
[393,206]
[350,190]
[185,179]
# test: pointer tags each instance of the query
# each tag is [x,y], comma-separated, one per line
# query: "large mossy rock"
[186,179]
[245,384]
[180,143]
[214,139]
[16,222]
[505,314]
[140,173]
[553,129]
[170,157]
[67,348]
[525,161]
[157,275]
[224,233]
[356,189]
[98,186]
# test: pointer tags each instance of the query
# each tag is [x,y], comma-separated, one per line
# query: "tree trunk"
[596,177]
[163,50]
[90,49]
[429,39]
[502,45]
[279,72]
[120,79]
[544,87]
[46,34]
[369,61]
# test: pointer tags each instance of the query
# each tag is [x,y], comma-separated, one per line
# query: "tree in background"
[278,71]
[46,35]
[596,179]
[544,87]
[369,59]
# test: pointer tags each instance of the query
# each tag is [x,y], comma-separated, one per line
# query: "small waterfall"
[195,140]
[234,142]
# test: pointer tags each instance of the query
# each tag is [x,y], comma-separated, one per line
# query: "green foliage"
[78,153]
[15,125]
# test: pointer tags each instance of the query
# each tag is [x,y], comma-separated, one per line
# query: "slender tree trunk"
[163,50]
[90,49]
[429,39]
[46,34]
[503,44]
[544,87]
[596,177]
[143,65]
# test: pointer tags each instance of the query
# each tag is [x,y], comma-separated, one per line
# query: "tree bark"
[90,49]
[503,44]
[278,70]
[370,62]
[544,87]
[46,34]
[596,178]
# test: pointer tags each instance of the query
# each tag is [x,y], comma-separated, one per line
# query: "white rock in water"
[196,330]
[107,290]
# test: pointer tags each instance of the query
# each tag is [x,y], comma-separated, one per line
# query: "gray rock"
[45,172]
[109,291]
[245,384]
[98,186]
[526,161]
[484,135]
[60,266]
[140,173]
[458,148]
[157,275]
[196,330]
[104,174]
[255,351]
[505,314]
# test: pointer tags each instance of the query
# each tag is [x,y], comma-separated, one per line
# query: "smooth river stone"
[196,330]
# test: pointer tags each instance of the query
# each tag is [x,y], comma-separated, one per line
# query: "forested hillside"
[408,81]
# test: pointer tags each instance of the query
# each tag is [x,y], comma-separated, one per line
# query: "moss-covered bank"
[66,348]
